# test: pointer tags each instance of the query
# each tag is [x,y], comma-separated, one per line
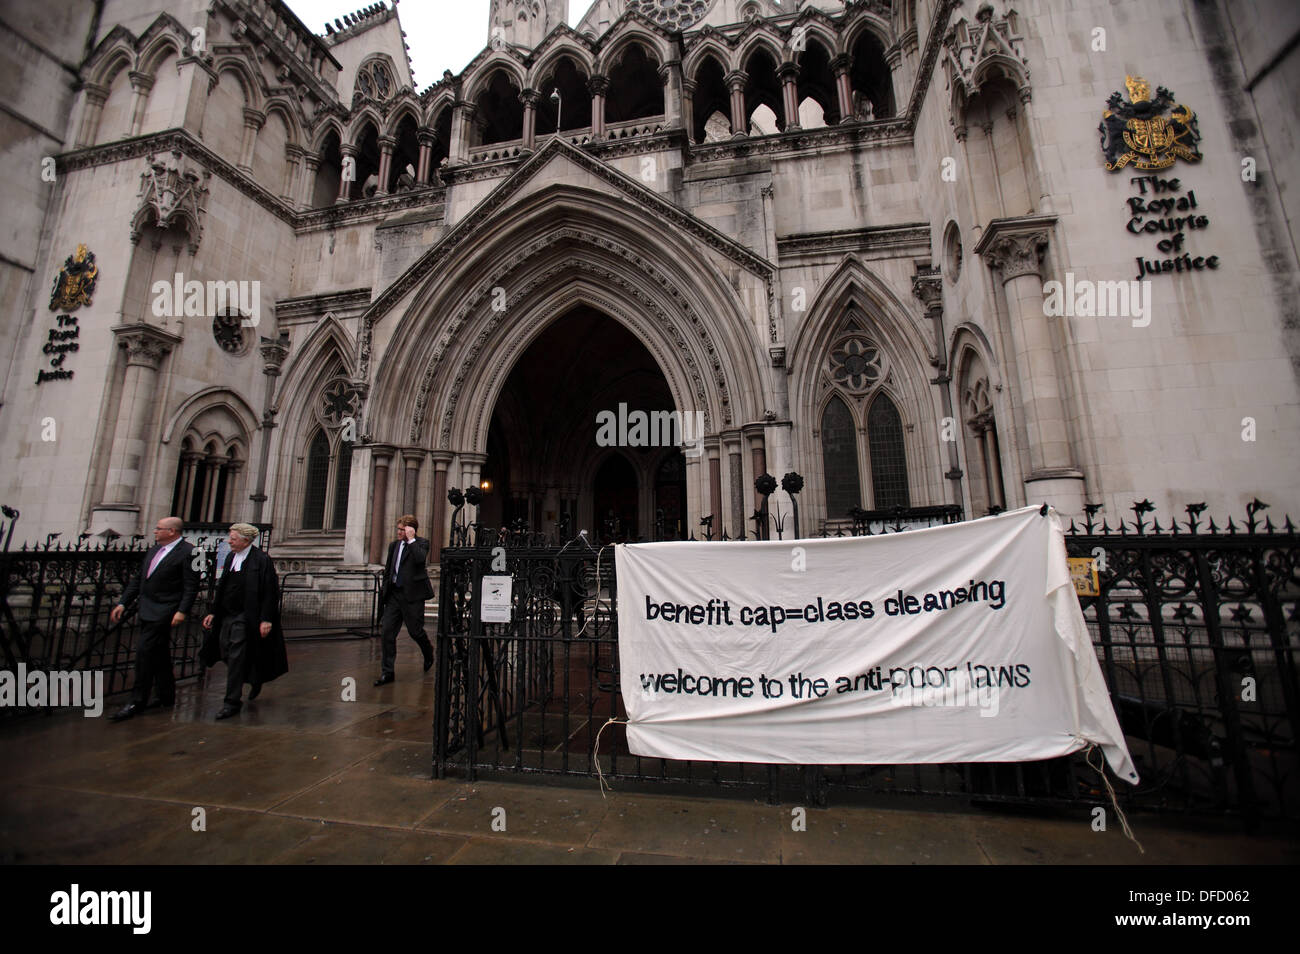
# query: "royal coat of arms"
[75,282]
[1138,133]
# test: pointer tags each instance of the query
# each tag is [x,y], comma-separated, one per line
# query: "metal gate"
[1196,629]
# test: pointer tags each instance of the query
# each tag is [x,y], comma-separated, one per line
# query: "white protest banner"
[962,643]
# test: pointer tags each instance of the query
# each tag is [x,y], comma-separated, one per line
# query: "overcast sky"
[442,34]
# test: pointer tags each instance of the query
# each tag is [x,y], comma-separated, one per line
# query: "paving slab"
[695,828]
[531,813]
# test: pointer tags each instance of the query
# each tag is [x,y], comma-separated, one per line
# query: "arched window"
[888,460]
[318,471]
[635,88]
[710,99]
[840,459]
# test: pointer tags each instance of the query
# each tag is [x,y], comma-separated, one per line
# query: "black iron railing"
[330,603]
[1196,627]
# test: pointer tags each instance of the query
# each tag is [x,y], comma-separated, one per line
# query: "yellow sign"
[1083,574]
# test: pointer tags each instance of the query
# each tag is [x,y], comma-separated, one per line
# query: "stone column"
[411,460]
[530,98]
[145,347]
[843,88]
[307,187]
[1015,249]
[191,462]
[927,286]
[461,118]
[900,76]
[273,352]
[141,83]
[789,73]
[731,441]
[293,154]
[671,74]
[233,467]
[736,81]
[599,86]
[758,456]
[386,144]
[213,463]
[91,112]
[713,449]
[425,138]
[253,121]
[379,503]
[438,523]
[688,108]
[345,183]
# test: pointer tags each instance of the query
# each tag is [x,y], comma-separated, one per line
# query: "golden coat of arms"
[75,282]
[1138,133]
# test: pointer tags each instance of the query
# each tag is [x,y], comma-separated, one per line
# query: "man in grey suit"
[166,586]
[406,587]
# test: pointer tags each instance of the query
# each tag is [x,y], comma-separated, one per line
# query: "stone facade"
[831,232]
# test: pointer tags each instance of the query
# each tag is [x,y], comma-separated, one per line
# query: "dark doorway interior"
[544,459]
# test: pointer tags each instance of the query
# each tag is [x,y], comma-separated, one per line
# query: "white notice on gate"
[962,643]
[494,607]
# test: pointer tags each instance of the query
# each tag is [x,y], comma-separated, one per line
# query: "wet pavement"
[302,777]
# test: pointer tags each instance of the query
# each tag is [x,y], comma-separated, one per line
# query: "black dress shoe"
[124,713]
[428,661]
[257,687]
[226,712]
[383,680]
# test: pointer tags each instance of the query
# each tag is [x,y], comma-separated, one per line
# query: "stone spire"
[524,22]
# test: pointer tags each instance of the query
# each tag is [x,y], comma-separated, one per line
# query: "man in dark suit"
[244,625]
[166,587]
[405,590]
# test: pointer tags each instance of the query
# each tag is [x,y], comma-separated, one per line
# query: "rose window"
[857,364]
[672,14]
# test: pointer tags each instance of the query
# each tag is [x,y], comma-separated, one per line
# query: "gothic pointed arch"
[858,343]
[556,248]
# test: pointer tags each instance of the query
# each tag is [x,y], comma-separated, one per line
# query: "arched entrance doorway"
[576,440]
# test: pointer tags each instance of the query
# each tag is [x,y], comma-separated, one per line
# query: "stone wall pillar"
[671,74]
[293,154]
[438,522]
[462,118]
[1014,248]
[141,84]
[253,121]
[411,461]
[383,457]
[307,186]
[91,112]
[145,347]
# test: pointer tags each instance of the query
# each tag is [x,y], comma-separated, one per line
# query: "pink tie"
[154,565]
